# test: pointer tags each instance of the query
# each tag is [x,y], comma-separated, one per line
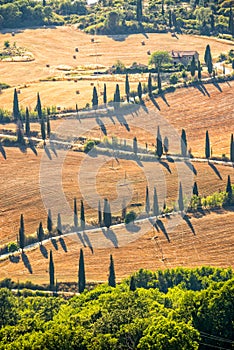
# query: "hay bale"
[76,49]
[74,56]
[77,92]
[148,52]
[47,65]
[92,40]
[143,43]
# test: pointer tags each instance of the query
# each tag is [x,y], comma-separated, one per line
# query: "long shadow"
[44,251]
[14,259]
[213,167]
[26,262]
[163,229]
[63,244]
[205,90]
[47,151]
[109,234]
[188,222]
[53,149]
[215,83]
[199,87]
[32,147]
[155,103]
[2,150]
[144,106]
[23,148]
[122,120]
[131,227]
[102,126]
[163,97]
[165,165]
[154,223]
[55,244]
[191,167]
[81,238]
[139,162]
[120,37]
[170,159]
[89,244]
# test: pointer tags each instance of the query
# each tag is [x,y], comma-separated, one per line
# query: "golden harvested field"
[197,242]
[28,178]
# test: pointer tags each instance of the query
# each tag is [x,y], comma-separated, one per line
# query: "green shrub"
[173,79]
[12,247]
[130,217]
[89,146]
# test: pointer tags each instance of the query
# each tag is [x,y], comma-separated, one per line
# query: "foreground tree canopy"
[171,309]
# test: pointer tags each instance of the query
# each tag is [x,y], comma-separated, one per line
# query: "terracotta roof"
[179,54]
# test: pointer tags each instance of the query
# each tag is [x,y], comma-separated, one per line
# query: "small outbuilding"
[184,57]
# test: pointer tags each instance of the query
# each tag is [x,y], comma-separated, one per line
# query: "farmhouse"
[184,57]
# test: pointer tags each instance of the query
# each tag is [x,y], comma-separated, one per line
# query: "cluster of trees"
[172,309]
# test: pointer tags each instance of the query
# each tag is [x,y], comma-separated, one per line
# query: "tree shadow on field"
[215,83]
[53,149]
[14,259]
[213,167]
[191,167]
[155,103]
[109,234]
[122,120]
[89,244]
[188,222]
[63,244]
[201,87]
[163,97]
[165,165]
[118,37]
[26,262]
[132,227]
[44,251]
[81,238]
[102,126]
[2,151]
[163,229]
[47,151]
[54,242]
[31,146]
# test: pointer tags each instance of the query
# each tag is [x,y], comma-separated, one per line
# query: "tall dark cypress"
[21,233]
[104,95]
[49,221]
[27,122]
[117,95]
[75,214]
[139,90]
[232,149]
[43,132]
[181,199]
[195,189]
[59,224]
[132,284]
[207,145]
[40,233]
[159,150]
[107,214]
[127,87]
[147,201]
[82,215]
[95,98]
[193,67]
[166,144]
[183,143]
[199,75]
[81,273]
[229,190]
[16,111]
[135,147]
[155,203]
[111,278]
[99,213]
[139,10]
[38,106]
[231,22]
[48,128]
[150,84]
[51,271]
[159,82]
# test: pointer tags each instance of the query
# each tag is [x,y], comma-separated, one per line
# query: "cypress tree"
[16,111]
[117,95]
[43,132]
[124,209]
[159,150]
[195,189]
[77,109]
[82,216]
[75,214]
[183,143]
[159,83]
[95,98]
[49,221]
[199,70]
[111,278]
[40,233]
[207,145]
[231,22]
[104,95]
[181,200]
[193,67]
[212,22]
[207,53]
[147,202]
[51,270]
[38,106]
[169,18]
[229,190]
[162,8]
[20,132]
[59,224]
[132,284]
[48,126]
[135,147]
[139,90]
[99,213]
[150,84]
[81,273]
[27,122]
[166,144]
[232,149]
[139,10]
[127,87]
[21,233]
[208,59]
[155,203]
[107,214]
